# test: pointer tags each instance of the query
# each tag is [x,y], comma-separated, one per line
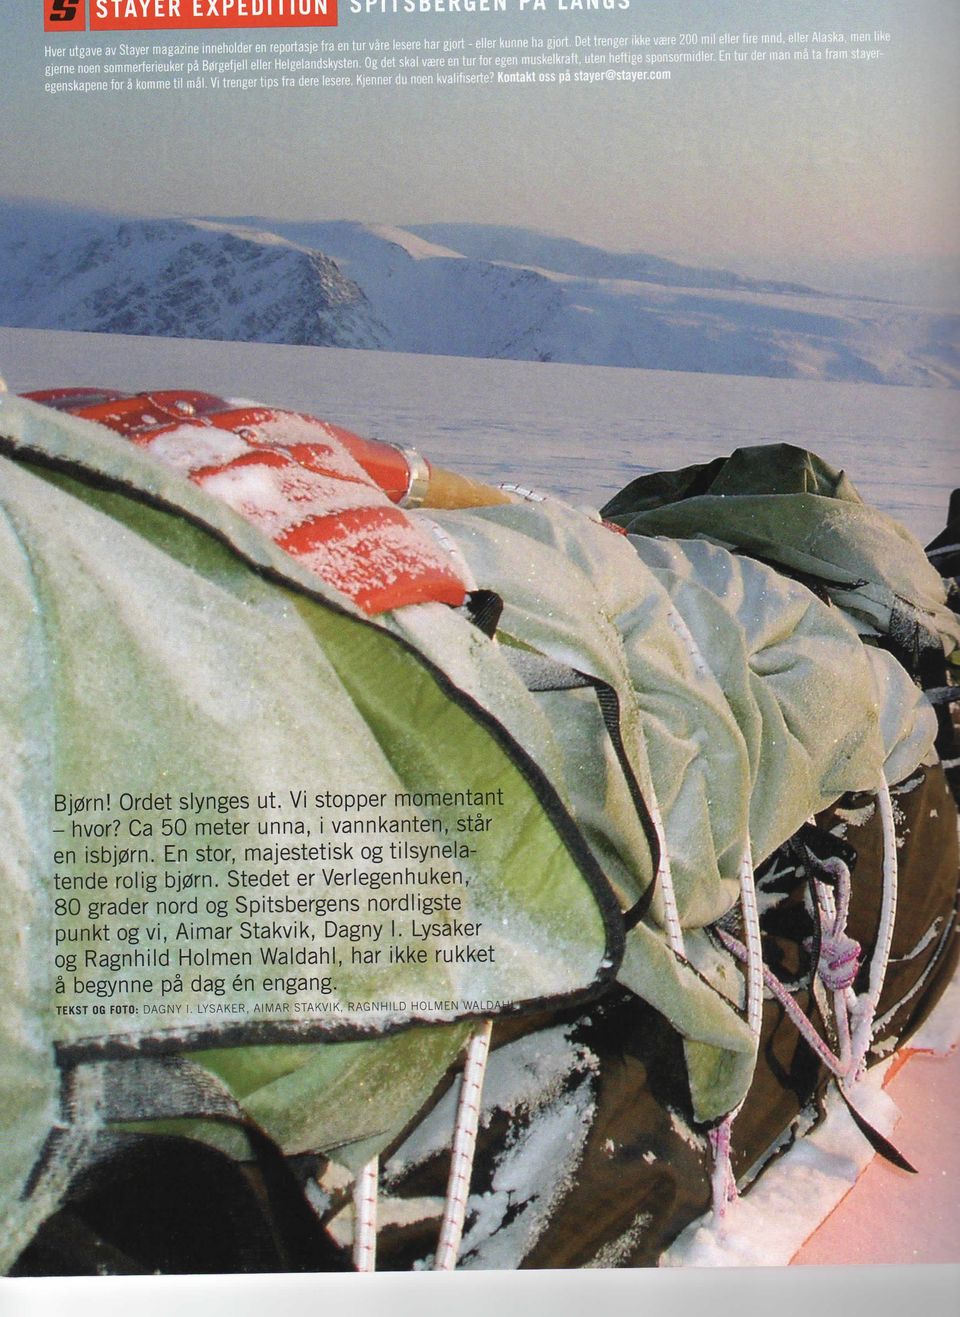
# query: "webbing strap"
[540,674]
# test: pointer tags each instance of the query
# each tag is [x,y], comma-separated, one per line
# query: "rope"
[664,878]
[722,1183]
[866,1006]
[839,959]
[838,962]
[365,1217]
[723,1187]
[464,1146]
[461,1168]
[793,1011]
[751,924]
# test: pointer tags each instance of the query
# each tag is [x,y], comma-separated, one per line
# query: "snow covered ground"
[770,1225]
[578,431]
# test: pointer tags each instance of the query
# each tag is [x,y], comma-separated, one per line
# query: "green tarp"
[154,641]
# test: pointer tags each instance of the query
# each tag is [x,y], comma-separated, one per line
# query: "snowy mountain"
[497,242]
[451,290]
[174,278]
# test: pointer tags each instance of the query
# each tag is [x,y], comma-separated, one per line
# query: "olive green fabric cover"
[787,506]
[746,705]
[153,641]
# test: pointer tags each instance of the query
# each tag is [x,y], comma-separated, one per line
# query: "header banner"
[160,15]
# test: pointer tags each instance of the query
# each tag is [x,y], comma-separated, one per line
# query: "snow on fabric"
[295,478]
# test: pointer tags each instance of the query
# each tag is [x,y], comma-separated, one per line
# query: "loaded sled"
[718,874]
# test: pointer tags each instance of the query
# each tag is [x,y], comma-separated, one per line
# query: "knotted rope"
[838,964]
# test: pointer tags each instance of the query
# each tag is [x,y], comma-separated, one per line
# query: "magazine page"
[480,629]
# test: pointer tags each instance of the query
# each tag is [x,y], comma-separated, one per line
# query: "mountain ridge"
[448,289]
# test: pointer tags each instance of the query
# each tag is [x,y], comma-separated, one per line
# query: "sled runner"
[727,875]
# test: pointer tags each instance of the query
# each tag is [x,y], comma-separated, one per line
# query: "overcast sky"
[838,174]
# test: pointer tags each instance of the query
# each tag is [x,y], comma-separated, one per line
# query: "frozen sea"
[580,432]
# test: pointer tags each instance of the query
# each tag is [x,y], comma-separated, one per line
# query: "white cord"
[866,1006]
[365,1217]
[723,1184]
[464,1146]
[664,878]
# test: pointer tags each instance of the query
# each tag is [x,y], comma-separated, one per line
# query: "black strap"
[540,673]
[877,1141]
[484,608]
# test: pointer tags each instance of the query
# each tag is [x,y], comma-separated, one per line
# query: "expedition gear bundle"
[712,768]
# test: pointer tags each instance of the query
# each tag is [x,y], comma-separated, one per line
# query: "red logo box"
[64,15]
